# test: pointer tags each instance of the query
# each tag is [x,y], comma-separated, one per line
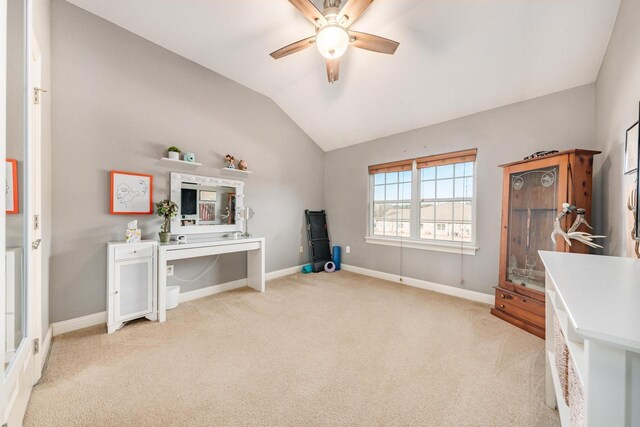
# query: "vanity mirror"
[207,205]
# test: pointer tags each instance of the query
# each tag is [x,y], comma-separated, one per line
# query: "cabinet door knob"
[116,292]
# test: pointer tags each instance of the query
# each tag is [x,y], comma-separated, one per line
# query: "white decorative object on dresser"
[132,284]
[593,358]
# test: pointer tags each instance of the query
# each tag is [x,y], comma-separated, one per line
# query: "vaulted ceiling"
[456,57]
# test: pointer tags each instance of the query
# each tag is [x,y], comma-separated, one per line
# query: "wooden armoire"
[533,192]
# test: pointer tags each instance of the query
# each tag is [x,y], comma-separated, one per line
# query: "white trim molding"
[423,284]
[45,347]
[79,323]
[71,325]
[284,272]
[212,290]
[426,245]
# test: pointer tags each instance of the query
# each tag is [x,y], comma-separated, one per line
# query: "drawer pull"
[503,296]
[501,305]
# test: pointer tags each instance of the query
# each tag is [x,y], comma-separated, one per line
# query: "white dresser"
[593,339]
[131,283]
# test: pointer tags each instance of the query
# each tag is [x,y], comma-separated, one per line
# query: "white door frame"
[34,120]
[18,380]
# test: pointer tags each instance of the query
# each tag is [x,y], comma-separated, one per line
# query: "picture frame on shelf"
[12,200]
[131,193]
[631,149]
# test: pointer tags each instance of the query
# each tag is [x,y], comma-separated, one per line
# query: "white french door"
[20,254]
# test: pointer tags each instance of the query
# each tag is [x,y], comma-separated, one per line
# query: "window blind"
[447,158]
[425,162]
[399,166]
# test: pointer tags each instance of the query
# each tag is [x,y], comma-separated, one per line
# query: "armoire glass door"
[533,206]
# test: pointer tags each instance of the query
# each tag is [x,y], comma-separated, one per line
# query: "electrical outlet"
[169,270]
[348,249]
[301,249]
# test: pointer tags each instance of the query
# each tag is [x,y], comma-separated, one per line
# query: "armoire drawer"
[520,313]
[133,251]
[529,304]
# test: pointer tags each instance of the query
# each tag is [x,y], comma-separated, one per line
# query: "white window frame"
[415,242]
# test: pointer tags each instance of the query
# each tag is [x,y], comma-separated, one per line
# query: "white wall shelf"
[180,162]
[236,171]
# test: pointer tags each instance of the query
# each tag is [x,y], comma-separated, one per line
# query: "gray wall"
[118,102]
[617,97]
[559,121]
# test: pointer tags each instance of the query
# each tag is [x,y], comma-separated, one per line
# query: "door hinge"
[36,346]
[36,222]
[36,94]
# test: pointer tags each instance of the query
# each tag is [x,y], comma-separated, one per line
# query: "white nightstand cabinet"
[132,282]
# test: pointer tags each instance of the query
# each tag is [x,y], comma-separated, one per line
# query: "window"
[430,199]
[392,204]
[446,200]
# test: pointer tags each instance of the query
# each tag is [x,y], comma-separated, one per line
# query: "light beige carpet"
[314,350]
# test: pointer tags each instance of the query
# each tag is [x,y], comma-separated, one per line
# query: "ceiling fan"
[333,35]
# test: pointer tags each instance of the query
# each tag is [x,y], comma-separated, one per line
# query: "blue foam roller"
[337,255]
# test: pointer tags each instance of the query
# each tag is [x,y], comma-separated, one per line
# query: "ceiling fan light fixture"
[332,41]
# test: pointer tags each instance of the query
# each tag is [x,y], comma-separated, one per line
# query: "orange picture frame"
[14,187]
[129,193]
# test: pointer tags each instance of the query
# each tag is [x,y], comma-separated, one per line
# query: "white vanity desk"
[254,246]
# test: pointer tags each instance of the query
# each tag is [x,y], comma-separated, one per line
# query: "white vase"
[174,155]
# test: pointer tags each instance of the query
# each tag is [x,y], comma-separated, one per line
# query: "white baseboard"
[46,345]
[79,323]
[423,284]
[284,272]
[212,290]
[99,318]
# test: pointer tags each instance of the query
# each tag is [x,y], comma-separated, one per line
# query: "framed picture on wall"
[131,193]
[631,150]
[11,188]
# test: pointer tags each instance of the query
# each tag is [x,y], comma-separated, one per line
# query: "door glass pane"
[532,209]
[14,310]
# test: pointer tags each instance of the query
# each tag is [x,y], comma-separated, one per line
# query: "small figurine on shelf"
[173,152]
[242,165]
[230,161]
[189,157]
[132,235]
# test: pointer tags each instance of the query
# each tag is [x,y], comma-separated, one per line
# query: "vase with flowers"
[168,210]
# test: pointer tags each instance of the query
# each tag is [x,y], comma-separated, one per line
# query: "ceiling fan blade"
[310,12]
[352,11]
[333,70]
[373,43]
[293,47]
